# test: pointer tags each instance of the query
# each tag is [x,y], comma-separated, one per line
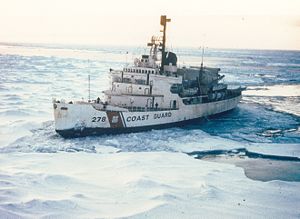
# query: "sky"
[251,24]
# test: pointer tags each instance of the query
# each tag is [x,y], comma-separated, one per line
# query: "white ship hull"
[82,119]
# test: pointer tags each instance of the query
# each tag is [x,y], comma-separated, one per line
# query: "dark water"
[252,124]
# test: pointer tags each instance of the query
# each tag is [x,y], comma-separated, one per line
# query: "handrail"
[146,109]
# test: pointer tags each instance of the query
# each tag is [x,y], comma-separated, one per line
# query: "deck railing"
[147,109]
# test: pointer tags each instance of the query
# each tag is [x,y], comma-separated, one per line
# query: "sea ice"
[137,185]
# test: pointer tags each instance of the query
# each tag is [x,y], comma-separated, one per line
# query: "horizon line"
[39,44]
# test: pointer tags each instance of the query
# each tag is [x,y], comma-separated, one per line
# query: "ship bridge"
[142,70]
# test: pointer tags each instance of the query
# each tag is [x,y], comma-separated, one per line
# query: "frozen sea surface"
[248,158]
[138,185]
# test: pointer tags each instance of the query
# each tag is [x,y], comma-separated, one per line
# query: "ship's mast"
[200,72]
[202,57]
[163,22]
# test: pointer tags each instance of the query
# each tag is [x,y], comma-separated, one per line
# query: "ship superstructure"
[153,93]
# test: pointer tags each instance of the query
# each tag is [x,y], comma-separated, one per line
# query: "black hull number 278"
[98,119]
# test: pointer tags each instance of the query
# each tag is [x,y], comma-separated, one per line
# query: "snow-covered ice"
[140,185]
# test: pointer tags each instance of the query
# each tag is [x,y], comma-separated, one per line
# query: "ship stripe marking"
[114,119]
[122,116]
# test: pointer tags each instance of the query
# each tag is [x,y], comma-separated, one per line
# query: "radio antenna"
[200,72]
[202,57]
[89,81]
[89,87]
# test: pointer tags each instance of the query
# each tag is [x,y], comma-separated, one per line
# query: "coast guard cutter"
[153,93]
